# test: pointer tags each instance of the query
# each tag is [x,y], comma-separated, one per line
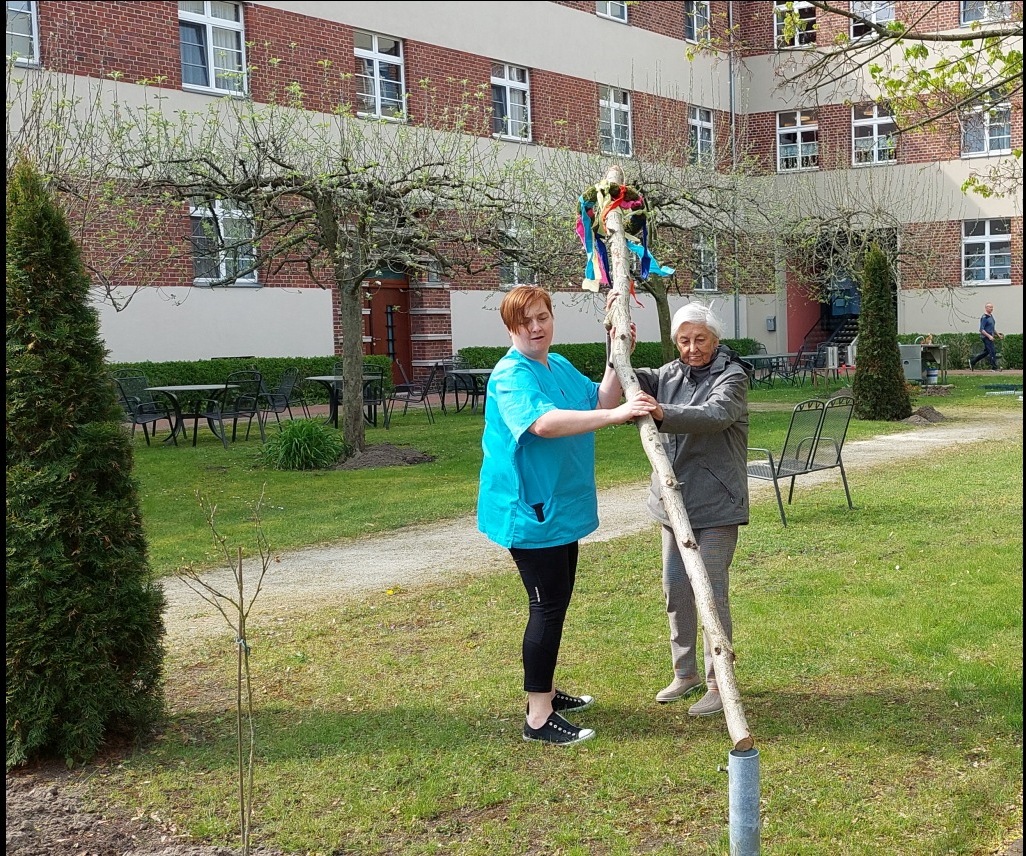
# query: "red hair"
[516,302]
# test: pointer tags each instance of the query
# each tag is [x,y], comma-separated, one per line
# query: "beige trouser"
[716,546]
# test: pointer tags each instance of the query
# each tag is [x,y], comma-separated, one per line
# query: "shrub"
[305,444]
[84,617]
[879,386]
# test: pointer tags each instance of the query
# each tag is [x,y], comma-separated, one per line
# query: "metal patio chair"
[410,392]
[140,407]
[813,443]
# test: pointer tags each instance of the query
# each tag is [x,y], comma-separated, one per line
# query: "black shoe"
[562,702]
[558,731]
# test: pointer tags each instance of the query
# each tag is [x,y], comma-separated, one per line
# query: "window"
[614,121]
[212,38]
[222,244]
[22,33]
[511,271]
[700,136]
[616,11]
[380,85]
[703,276]
[874,12]
[696,21]
[511,113]
[873,132]
[804,28]
[987,128]
[986,251]
[983,11]
[797,140]
[433,272]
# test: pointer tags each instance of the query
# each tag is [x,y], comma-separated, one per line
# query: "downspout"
[733,160]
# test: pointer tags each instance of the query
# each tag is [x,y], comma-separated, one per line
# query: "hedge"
[589,357]
[962,346]
[216,370]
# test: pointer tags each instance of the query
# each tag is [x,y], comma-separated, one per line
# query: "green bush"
[590,357]
[879,386]
[305,444]
[962,346]
[272,368]
[83,614]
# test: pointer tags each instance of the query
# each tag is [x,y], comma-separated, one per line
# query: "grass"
[306,508]
[879,660]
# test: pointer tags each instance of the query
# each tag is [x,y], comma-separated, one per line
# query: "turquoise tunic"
[536,492]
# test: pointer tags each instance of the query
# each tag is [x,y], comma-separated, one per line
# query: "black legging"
[548,575]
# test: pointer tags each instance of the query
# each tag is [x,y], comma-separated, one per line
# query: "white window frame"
[222,79]
[432,271]
[378,59]
[701,146]
[615,115]
[24,9]
[802,38]
[705,274]
[875,11]
[990,118]
[697,20]
[993,247]
[983,11]
[220,215]
[613,11]
[806,131]
[509,82]
[883,130]
[511,272]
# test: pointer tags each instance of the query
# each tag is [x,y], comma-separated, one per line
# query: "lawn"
[321,507]
[879,661]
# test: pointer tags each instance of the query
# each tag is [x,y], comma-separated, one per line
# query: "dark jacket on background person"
[704,431]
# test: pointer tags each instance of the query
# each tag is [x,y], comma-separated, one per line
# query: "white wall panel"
[219,322]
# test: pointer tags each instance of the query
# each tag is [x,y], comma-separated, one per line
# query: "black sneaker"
[558,731]
[564,703]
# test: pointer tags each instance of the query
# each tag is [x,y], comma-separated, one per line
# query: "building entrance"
[386,323]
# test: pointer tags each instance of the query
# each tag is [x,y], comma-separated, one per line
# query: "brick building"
[599,77]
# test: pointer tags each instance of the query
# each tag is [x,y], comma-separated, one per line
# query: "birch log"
[619,318]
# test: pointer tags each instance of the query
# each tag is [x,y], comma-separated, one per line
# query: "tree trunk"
[619,317]
[351,408]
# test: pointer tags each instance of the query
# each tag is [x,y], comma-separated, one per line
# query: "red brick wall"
[285,47]
[139,40]
[930,255]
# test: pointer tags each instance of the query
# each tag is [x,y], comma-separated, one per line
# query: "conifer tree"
[84,617]
[879,385]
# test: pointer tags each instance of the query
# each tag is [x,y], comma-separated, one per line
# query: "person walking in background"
[537,494]
[988,336]
[702,417]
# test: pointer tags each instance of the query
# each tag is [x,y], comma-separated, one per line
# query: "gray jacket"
[705,434]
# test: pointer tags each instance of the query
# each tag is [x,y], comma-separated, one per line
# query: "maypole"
[612,198]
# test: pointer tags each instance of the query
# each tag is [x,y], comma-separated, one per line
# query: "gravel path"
[318,576]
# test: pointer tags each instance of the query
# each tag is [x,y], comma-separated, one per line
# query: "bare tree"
[324,191]
[68,127]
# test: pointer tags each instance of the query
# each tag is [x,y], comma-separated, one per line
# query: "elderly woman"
[537,492]
[702,415]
